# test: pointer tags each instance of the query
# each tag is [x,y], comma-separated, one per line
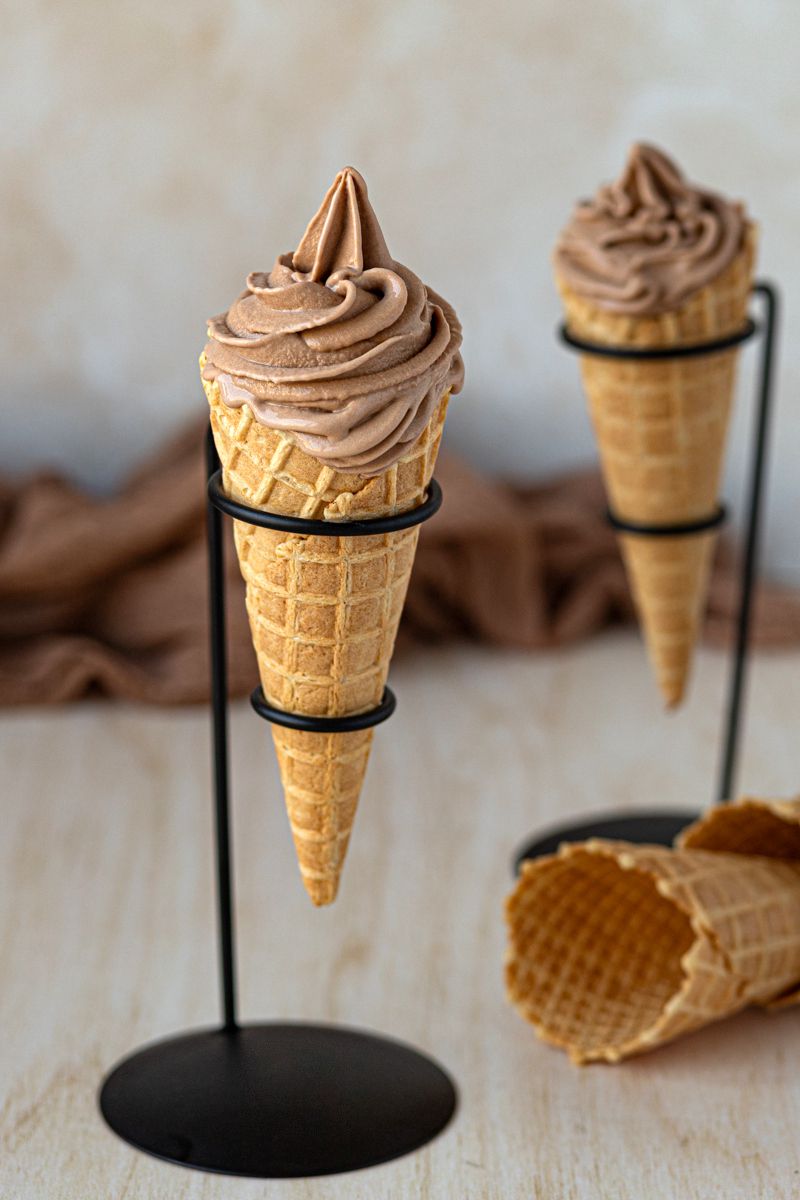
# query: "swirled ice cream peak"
[645,244]
[339,345]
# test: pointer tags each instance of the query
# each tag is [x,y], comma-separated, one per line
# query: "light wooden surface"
[107,932]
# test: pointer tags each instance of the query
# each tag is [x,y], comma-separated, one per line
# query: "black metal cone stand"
[277,1100]
[662,827]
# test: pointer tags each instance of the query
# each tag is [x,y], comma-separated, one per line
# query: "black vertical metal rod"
[219,709]
[750,560]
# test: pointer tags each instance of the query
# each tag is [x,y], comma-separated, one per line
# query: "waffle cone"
[616,949]
[323,613]
[661,428]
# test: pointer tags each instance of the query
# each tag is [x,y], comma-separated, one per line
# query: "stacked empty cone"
[654,263]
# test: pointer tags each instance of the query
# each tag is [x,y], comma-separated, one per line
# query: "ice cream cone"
[324,613]
[655,262]
[661,428]
[616,949]
[328,381]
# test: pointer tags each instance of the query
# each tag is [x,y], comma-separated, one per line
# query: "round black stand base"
[654,828]
[278,1101]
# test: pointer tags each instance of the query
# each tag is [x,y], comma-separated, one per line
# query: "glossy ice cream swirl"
[648,242]
[339,345]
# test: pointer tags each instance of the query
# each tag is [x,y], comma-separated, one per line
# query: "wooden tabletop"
[107,931]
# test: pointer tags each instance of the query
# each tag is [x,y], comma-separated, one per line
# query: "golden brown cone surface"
[615,948]
[768,828]
[661,428]
[323,612]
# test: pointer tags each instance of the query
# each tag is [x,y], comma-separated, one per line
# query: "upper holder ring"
[364,527]
[652,354]
[645,353]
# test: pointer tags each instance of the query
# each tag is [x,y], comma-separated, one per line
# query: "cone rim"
[671,529]
[618,855]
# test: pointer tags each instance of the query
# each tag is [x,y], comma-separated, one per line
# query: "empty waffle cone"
[615,949]
[323,611]
[661,428]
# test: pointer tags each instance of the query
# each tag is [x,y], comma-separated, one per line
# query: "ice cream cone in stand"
[655,263]
[615,949]
[324,614]
[328,384]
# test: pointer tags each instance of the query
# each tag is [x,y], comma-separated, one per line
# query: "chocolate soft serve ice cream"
[656,262]
[328,382]
[338,345]
[646,243]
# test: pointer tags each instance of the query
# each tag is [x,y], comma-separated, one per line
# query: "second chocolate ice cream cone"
[654,263]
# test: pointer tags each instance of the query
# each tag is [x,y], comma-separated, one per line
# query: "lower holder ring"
[278,1101]
[677,529]
[348,724]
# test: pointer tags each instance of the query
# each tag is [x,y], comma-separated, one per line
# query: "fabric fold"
[107,596]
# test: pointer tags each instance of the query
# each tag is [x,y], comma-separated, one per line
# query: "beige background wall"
[153,153]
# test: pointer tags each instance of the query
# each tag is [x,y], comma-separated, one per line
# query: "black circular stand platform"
[278,1101]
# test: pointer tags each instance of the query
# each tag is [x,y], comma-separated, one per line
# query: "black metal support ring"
[647,353]
[679,529]
[364,527]
[347,724]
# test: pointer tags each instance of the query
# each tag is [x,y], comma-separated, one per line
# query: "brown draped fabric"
[108,596]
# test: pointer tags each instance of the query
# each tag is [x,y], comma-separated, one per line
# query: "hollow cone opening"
[595,953]
[769,828]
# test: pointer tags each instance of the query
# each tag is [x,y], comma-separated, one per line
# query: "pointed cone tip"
[321,892]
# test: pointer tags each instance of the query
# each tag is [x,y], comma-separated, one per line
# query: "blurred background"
[154,154]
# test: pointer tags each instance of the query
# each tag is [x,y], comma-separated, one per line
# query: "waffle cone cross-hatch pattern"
[323,611]
[661,428]
[615,949]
